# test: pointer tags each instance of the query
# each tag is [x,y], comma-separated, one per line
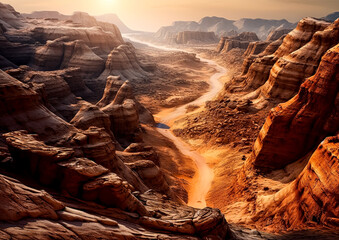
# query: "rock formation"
[22,108]
[14,54]
[60,54]
[188,37]
[240,41]
[255,48]
[92,37]
[39,212]
[79,177]
[55,88]
[91,115]
[303,121]
[290,71]
[9,18]
[122,61]
[311,197]
[276,34]
[258,72]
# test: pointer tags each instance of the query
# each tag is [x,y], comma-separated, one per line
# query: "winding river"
[198,192]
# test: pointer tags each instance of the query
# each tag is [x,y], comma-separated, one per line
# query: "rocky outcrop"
[91,115]
[255,48]
[312,197]
[113,84]
[54,87]
[122,61]
[94,37]
[294,128]
[19,201]
[22,108]
[9,18]
[240,41]
[40,213]
[79,177]
[259,70]
[290,71]
[276,34]
[123,115]
[301,35]
[60,54]
[191,37]
[14,54]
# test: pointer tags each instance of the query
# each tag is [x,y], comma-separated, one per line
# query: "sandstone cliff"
[297,126]
[290,71]
[312,197]
[189,37]
[257,70]
[61,53]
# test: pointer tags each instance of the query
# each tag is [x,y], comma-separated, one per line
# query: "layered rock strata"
[303,121]
[122,61]
[258,72]
[60,54]
[312,197]
[240,41]
[190,37]
[290,71]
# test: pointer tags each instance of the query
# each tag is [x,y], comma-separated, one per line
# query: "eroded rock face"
[90,115]
[240,41]
[312,196]
[123,115]
[60,54]
[19,201]
[276,34]
[124,110]
[187,37]
[58,166]
[290,71]
[9,18]
[14,53]
[55,87]
[48,218]
[122,61]
[22,108]
[303,121]
[92,37]
[255,48]
[259,70]
[113,84]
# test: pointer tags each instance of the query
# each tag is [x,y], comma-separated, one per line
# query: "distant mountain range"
[224,27]
[332,17]
[110,18]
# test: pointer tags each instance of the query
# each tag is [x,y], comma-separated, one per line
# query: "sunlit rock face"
[295,127]
[259,70]
[311,197]
[290,71]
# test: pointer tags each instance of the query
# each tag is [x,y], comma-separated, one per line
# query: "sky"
[150,15]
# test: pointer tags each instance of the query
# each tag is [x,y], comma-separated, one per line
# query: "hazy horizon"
[150,15]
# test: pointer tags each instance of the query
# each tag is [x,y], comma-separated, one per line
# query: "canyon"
[217,129]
